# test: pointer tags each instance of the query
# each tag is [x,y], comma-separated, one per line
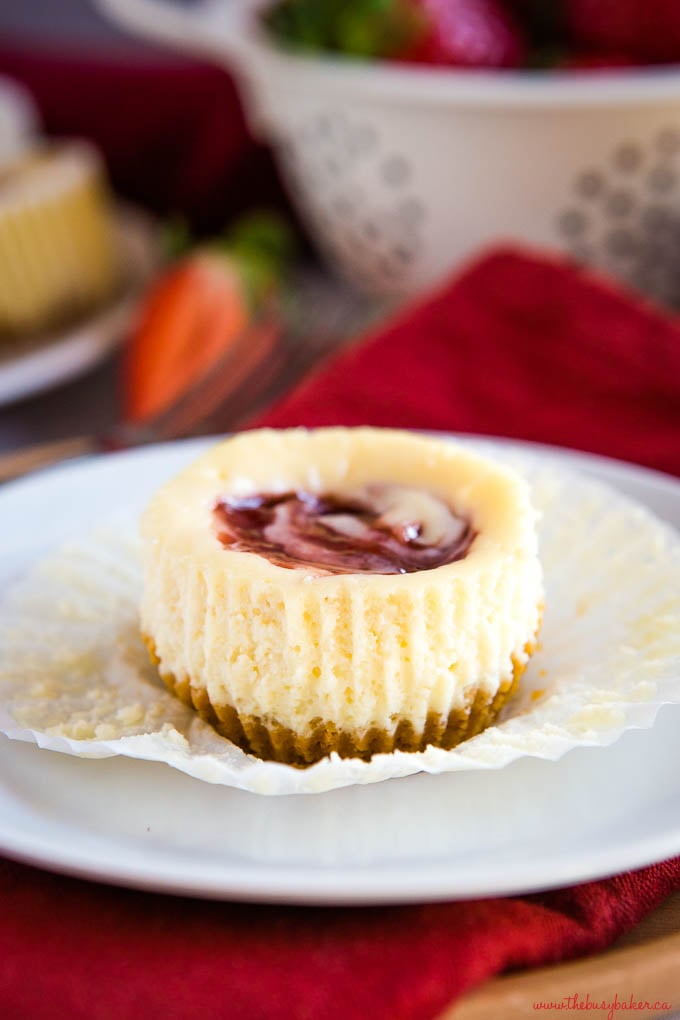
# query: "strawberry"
[198,309]
[648,30]
[458,33]
[594,61]
[469,33]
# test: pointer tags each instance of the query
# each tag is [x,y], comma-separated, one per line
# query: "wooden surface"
[645,963]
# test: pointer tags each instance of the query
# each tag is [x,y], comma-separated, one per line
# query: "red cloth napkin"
[519,346]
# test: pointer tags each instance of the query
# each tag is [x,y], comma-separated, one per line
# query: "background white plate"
[531,826]
[32,366]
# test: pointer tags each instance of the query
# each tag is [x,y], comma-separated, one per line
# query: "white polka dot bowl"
[400,172]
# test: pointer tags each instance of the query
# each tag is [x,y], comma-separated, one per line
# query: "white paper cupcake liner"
[75,676]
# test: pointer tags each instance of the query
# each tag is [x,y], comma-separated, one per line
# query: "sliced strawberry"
[649,30]
[468,33]
[192,314]
[197,310]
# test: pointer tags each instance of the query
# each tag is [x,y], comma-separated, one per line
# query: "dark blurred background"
[145,107]
[61,21]
[174,140]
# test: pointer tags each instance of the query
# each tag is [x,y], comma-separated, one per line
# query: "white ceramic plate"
[29,367]
[531,826]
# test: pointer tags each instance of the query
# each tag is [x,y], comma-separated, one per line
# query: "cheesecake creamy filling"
[381,529]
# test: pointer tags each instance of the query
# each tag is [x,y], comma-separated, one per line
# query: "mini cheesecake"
[342,590]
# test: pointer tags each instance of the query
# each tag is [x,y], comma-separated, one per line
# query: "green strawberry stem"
[175,238]
[362,28]
[262,247]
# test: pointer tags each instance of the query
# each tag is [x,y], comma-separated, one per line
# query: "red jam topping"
[383,529]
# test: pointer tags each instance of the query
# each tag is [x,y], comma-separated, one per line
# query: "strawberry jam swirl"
[381,529]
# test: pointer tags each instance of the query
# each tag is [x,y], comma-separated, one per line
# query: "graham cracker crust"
[269,740]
